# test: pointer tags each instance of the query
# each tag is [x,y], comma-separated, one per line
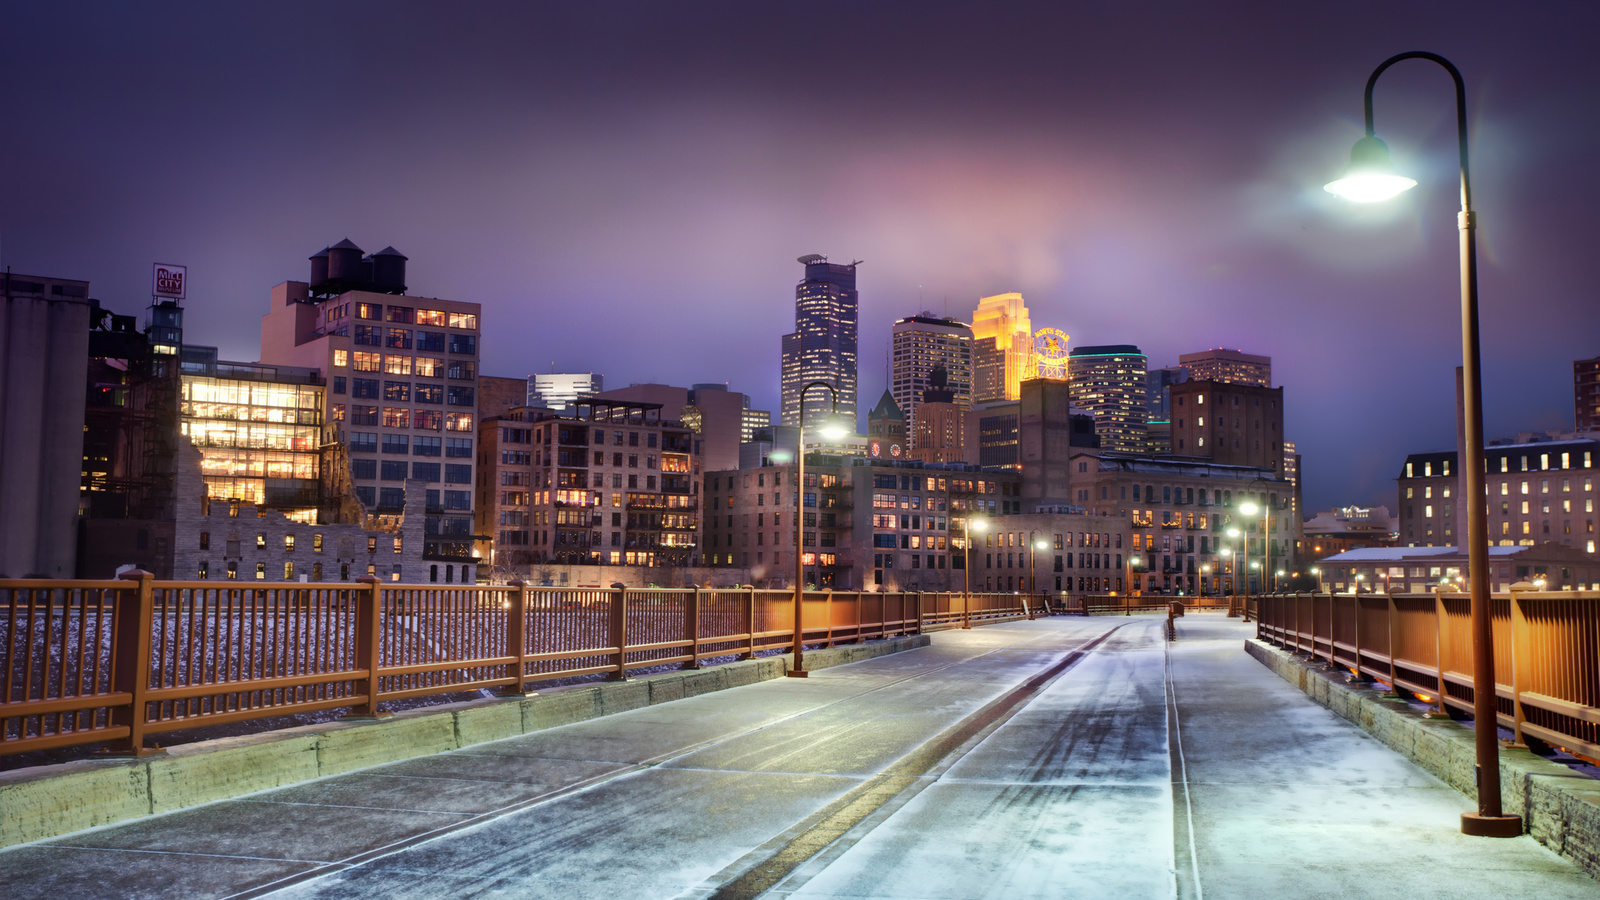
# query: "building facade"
[1158,406]
[1586,394]
[919,345]
[1002,348]
[614,483]
[1541,490]
[715,414]
[559,390]
[823,344]
[873,524]
[1228,367]
[1416,570]
[44,333]
[1110,383]
[1232,424]
[1083,554]
[402,377]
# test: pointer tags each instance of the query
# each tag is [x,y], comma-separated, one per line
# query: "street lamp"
[1356,587]
[1317,572]
[1371,177]
[1033,580]
[832,429]
[969,524]
[1235,553]
[1127,600]
[1205,577]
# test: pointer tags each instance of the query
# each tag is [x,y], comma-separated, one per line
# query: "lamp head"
[1041,545]
[833,428]
[1248,508]
[1370,177]
[978,523]
[1233,532]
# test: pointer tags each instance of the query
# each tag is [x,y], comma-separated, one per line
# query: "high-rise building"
[1228,366]
[1002,349]
[402,386]
[823,345]
[920,344]
[1158,405]
[558,391]
[1109,382]
[751,421]
[944,432]
[1586,394]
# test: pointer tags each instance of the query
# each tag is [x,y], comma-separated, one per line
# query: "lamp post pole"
[966,594]
[1133,562]
[1489,820]
[799,670]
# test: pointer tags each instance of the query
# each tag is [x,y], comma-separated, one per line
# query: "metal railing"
[1546,651]
[1123,604]
[120,661]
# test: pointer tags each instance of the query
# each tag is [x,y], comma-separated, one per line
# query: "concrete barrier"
[49,801]
[1560,808]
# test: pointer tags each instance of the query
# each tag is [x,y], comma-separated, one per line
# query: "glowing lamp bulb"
[1370,177]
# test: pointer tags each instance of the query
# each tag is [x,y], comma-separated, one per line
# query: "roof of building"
[886,408]
[1400,554]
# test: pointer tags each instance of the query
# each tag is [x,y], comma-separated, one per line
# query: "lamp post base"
[1491,826]
[798,673]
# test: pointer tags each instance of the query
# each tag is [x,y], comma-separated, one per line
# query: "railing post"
[861,601]
[827,612]
[966,610]
[369,643]
[1355,613]
[922,615]
[1441,642]
[619,631]
[1333,629]
[691,617]
[1394,614]
[516,638]
[1521,658]
[135,617]
[750,623]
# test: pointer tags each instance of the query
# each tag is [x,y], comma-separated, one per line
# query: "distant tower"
[1002,353]
[941,431]
[1109,383]
[1228,367]
[923,344]
[1586,394]
[886,425]
[823,345]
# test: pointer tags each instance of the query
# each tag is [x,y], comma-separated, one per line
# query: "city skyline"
[564,215]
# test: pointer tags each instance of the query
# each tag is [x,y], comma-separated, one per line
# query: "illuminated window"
[464,320]
[288,543]
[430,317]
[261,571]
[341,358]
[428,367]
[397,365]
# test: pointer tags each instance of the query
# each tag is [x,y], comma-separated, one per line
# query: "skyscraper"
[1158,411]
[1109,382]
[921,344]
[1586,394]
[1002,348]
[559,390]
[1228,367]
[823,345]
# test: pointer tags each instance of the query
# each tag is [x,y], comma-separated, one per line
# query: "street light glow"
[1370,177]
[1248,508]
[833,428]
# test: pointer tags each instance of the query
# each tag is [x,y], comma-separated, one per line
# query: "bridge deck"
[1060,757]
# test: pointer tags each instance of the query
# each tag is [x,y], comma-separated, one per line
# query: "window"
[401,314]
[430,341]
[457,499]
[316,543]
[338,384]
[462,370]
[396,417]
[464,344]
[421,445]
[363,415]
[461,447]
[364,388]
[397,391]
[398,339]
[457,474]
[462,396]
[397,365]
[367,336]
[430,317]
[204,566]
[366,469]
[288,570]
[428,367]
[388,498]
[261,571]
[367,494]
[368,362]
[430,393]
[205,540]
[464,320]
[394,470]
[341,358]
[458,422]
[288,543]
[233,570]
[369,311]
[427,419]
[397,443]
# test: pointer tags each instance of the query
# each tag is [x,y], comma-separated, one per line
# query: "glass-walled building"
[258,429]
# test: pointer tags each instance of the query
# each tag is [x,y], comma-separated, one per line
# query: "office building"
[1158,405]
[752,421]
[558,391]
[1049,431]
[1228,366]
[921,344]
[1420,570]
[1229,423]
[1541,490]
[1002,348]
[498,396]
[44,333]
[1110,383]
[945,432]
[823,345]
[1344,528]
[1586,394]
[402,377]
[611,483]
[1083,554]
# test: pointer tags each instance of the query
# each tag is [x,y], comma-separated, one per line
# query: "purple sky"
[624,187]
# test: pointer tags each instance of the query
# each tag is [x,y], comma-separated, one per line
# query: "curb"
[1559,808]
[50,801]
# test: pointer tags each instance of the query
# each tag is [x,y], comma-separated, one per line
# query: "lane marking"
[780,857]
[1190,887]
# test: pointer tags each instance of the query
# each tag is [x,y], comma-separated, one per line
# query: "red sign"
[170,281]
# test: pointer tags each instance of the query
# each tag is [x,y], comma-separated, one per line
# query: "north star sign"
[170,281]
